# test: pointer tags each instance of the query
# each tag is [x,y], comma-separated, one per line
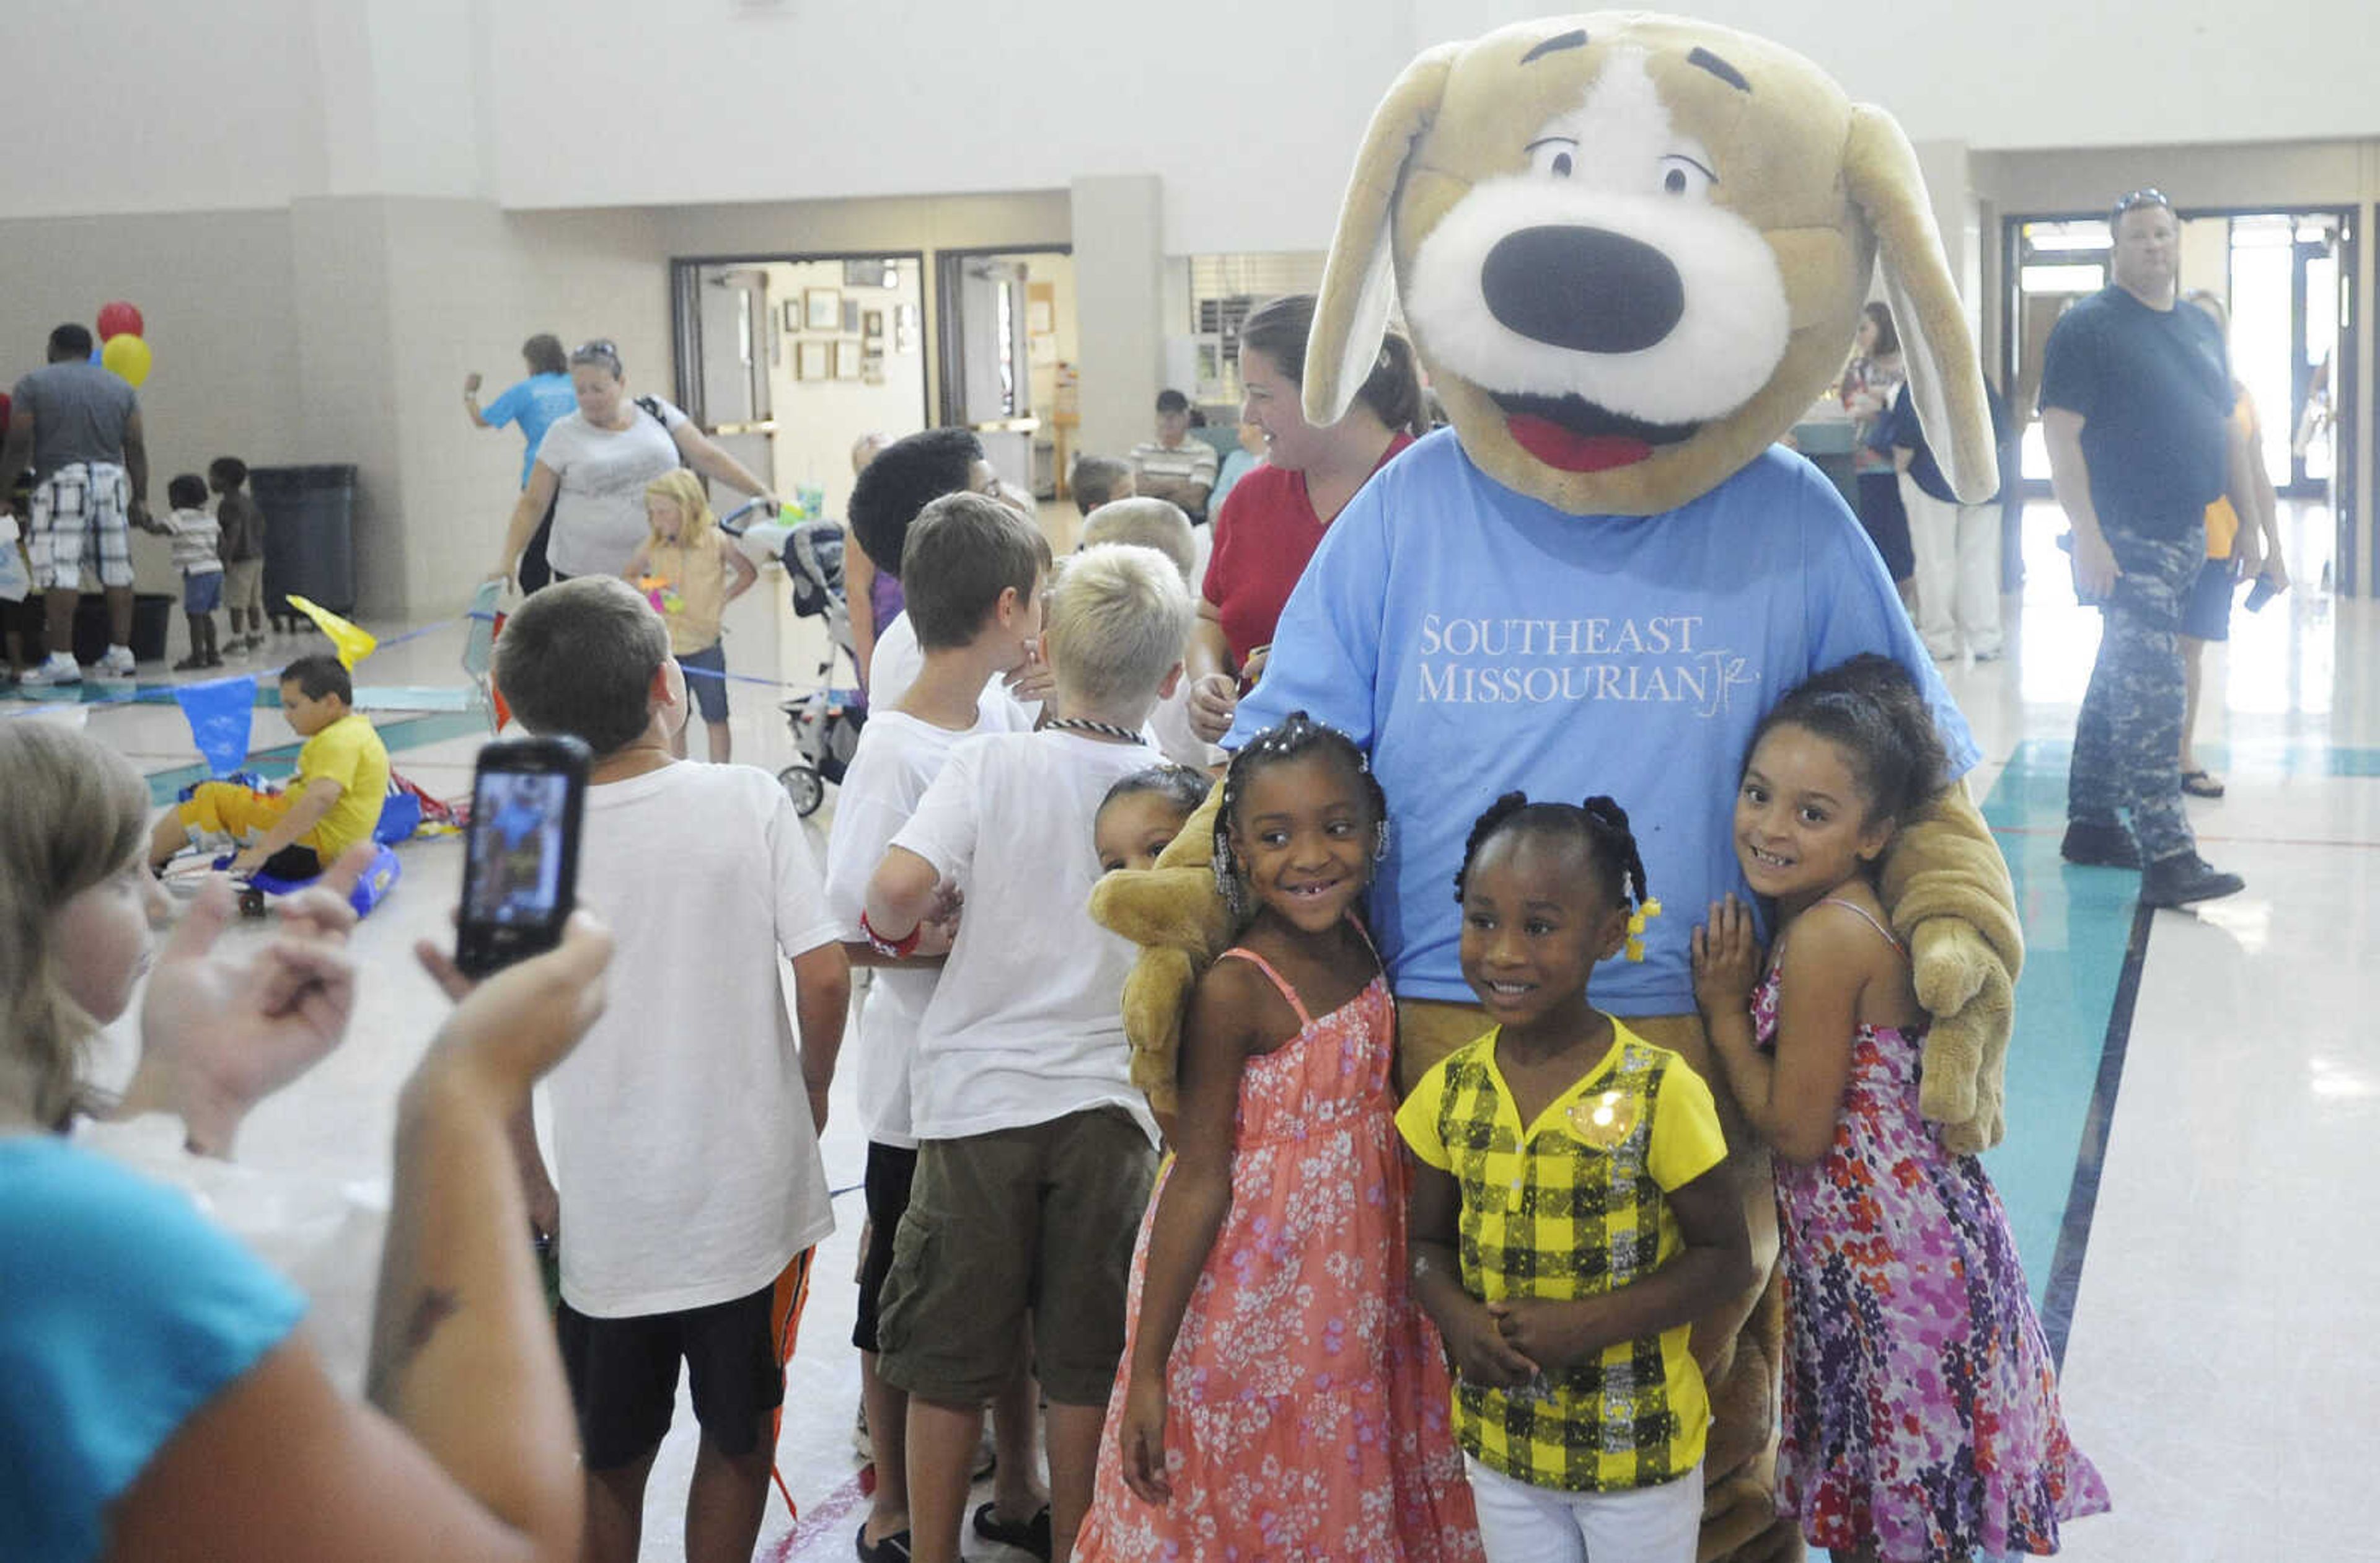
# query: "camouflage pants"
[2128,739]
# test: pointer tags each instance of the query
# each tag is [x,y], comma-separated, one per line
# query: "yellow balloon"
[127,357]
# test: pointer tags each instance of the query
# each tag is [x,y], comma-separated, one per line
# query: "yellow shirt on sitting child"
[1568,1207]
[350,753]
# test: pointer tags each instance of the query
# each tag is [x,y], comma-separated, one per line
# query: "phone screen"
[521,864]
[517,853]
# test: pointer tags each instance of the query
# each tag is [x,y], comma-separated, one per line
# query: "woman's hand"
[511,1028]
[1214,701]
[1726,958]
[471,383]
[1140,1436]
[219,1033]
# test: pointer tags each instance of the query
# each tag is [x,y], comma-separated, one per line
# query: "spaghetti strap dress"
[1921,1413]
[1309,1407]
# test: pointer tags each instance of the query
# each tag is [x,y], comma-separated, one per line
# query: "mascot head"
[1632,251]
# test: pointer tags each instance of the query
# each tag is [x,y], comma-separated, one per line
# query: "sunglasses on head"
[2147,196]
[599,351]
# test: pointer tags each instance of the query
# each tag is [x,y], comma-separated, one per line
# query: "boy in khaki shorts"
[1035,1152]
[243,552]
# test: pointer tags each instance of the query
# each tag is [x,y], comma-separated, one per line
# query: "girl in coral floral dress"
[1281,1397]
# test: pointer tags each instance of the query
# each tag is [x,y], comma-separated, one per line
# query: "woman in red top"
[1275,517]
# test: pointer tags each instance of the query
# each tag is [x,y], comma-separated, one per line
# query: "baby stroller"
[827,721]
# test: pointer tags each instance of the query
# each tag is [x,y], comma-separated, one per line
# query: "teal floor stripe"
[2076,924]
[369,698]
[2274,757]
[275,764]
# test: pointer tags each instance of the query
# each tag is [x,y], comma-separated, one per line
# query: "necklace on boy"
[1102,729]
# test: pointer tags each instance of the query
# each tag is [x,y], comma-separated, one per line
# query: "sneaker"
[2095,845]
[2179,880]
[191,663]
[58,667]
[117,663]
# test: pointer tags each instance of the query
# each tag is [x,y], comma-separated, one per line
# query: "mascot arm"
[1174,915]
[1950,896]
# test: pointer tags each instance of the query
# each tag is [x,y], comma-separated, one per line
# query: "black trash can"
[309,545]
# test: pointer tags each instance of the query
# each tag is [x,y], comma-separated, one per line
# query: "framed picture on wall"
[851,317]
[814,359]
[822,309]
[846,360]
[872,325]
[793,315]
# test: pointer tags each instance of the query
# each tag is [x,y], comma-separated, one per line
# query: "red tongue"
[1573,451]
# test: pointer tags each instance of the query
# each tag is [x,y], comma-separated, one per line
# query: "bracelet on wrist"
[891,949]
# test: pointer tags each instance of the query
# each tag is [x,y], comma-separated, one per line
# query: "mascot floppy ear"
[1351,317]
[1944,381]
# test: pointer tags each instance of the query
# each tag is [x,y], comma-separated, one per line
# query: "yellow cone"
[354,644]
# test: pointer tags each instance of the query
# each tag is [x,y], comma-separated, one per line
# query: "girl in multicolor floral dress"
[1920,1414]
[1281,1397]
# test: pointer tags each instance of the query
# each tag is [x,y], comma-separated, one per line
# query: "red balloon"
[118,318]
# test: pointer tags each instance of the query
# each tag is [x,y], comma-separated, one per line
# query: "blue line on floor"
[2065,1279]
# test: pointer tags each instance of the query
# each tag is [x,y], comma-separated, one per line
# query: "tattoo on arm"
[431,1310]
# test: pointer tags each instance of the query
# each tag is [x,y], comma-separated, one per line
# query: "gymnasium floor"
[2193,1098]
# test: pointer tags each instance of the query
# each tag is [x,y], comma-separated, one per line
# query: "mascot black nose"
[1587,289]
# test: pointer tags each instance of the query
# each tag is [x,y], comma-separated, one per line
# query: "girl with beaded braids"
[1271,1267]
[1572,1214]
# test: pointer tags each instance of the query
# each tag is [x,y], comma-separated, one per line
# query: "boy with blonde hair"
[1035,1151]
[1160,524]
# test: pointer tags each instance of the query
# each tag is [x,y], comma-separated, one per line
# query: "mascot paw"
[1950,962]
[1958,1082]
[1175,914]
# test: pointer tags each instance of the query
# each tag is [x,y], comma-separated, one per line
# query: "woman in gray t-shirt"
[593,465]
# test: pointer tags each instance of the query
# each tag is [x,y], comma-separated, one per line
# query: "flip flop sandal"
[2199,784]
[1031,1535]
[893,1548]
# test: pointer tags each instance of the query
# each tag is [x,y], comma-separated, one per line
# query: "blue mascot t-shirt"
[1474,640]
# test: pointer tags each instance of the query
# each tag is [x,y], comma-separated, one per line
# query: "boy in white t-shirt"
[973,572]
[1161,524]
[686,1125]
[1035,1151]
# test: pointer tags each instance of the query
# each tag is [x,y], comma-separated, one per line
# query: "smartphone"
[520,866]
[2263,591]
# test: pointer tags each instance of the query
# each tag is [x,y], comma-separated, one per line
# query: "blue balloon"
[94,355]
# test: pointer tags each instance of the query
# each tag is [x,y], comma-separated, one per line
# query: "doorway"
[787,360]
[2289,279]
[1006,345]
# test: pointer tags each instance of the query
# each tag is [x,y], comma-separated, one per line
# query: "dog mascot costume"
[1631,249]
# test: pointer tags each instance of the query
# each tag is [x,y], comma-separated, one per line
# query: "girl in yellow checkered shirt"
[1570,1216]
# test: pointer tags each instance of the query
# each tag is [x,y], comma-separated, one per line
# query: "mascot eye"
[1554,156]
[1684,178]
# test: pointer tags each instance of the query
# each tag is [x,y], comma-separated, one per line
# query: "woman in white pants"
[1958,546]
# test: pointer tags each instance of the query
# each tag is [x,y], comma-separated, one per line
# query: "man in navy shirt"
[2134,395]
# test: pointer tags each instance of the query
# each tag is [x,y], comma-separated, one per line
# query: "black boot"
[2100,845]
[2181,879]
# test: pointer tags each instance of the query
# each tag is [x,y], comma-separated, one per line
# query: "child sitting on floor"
[334,803]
